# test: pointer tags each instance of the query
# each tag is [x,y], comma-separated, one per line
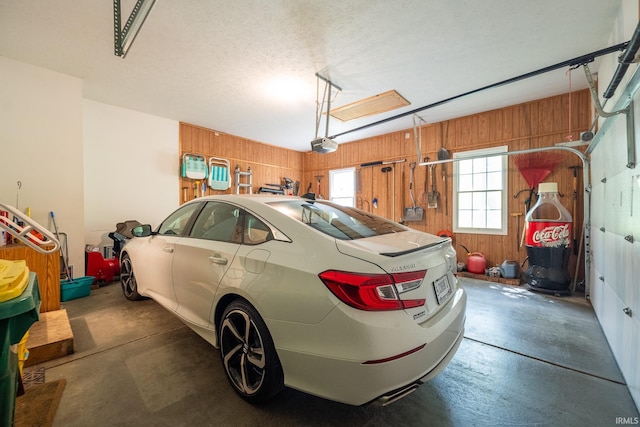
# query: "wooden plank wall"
[540,123]
[269,164]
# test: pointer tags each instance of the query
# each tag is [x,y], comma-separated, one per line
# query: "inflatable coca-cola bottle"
[548,234]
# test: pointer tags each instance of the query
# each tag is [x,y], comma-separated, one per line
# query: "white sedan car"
[329,300]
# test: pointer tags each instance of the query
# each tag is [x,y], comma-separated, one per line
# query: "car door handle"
[168,250]
[218,260]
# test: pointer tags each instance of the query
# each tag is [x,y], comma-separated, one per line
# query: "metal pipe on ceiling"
[626,59]
[568,63]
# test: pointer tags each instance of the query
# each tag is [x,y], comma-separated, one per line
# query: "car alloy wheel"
[128,279]
[248,354]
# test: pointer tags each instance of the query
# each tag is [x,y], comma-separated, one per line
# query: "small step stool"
[50,338]
[239,184]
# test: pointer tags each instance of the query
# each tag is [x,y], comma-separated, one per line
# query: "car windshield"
[337,221]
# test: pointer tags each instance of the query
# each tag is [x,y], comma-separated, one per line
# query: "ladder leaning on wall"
[247,184]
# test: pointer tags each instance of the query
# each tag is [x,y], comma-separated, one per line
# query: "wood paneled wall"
[540,123]
[269,164]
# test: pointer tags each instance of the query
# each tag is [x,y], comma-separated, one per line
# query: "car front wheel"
[128,279]
[248,354]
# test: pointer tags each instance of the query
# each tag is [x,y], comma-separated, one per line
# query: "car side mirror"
[142,231]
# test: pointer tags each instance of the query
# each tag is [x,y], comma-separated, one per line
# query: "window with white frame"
[480,191]
[342,186]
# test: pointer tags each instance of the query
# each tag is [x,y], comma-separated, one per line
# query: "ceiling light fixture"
[123,38]
[324,144]
[285,89]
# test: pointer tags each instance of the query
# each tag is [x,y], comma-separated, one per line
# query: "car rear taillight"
[374,292]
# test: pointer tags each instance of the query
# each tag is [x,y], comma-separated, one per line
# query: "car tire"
[128,280]
[248,355]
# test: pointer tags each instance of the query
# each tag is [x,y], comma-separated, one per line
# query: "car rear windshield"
[337,221]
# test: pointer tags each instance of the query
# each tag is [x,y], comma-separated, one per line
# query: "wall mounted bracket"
[324,144]
[625,106]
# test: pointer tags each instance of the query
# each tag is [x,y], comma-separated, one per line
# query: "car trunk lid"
[406,252]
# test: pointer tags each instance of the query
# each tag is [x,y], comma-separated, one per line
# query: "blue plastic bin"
[76,288]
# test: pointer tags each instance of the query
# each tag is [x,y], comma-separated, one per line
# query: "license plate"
[442,288]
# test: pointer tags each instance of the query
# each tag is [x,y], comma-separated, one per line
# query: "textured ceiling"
[248,67]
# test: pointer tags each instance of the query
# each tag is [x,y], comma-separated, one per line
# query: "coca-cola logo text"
[553,235]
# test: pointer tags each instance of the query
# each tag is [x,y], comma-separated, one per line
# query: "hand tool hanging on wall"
[433,194]
[413,213]
[65,262]
[402,197]
[386,171]
[374,199]
[425,193]
[393,195]
[417,135]
[517,216]
[443,154]
[318,179]
[574,208]
[380,162]
[527,205]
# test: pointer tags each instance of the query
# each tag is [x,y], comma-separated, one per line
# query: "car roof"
[250,201]
[250,198]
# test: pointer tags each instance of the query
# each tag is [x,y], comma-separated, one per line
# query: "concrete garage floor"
[527,359]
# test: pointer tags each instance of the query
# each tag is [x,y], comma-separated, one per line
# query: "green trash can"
[16,317]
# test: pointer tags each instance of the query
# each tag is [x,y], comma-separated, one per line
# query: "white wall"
[131,168]
[41,146]
[92,164]
[615,270]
